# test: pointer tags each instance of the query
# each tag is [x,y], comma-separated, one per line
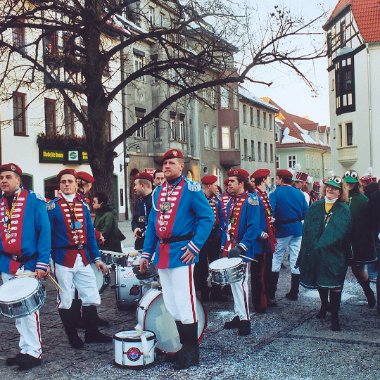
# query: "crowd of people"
[182,227]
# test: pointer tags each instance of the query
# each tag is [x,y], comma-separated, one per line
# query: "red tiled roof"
[366,14]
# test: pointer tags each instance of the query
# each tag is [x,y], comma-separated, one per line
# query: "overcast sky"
[287,89]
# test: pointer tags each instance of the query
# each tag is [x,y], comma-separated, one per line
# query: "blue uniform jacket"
[248,230]
[35,237]
[60,237]
[288,208]
[262,245]
[194,216]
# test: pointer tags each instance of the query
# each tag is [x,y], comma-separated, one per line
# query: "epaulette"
[253,200]
[193,186]
[38,196]
[51,204]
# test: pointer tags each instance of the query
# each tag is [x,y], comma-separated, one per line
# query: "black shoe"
[186,357]
[370,295]
[102,322]
[244,328]
[234,324]
[75,341]
[291,296]
[27,362]
[14,360]
[335,325]
[96,337]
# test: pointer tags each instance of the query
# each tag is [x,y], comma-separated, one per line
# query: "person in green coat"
[325,248]
[362,241]
[105,222]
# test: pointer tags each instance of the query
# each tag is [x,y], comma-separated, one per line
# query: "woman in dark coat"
[105,222]
[362,241]
[325,248]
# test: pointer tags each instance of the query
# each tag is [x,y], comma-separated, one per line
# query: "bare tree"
[197,36]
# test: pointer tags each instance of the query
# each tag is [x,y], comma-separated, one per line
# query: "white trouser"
[294,244]
[179,293]
[28,327]
[240,294]
[82,278]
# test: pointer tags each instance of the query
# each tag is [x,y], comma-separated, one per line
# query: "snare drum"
[113,258]
[152,315]
[226,271]
[128,289]
[20,297]
[102,280]
[133,350]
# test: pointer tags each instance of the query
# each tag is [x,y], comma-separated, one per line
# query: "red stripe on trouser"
[244,292]
[38,329]
[192,293]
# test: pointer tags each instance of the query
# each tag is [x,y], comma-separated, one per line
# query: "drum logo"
[133,354]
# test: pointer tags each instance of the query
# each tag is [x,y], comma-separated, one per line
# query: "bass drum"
[152,315]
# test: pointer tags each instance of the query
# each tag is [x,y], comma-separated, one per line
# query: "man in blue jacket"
[179,224]
[289,208]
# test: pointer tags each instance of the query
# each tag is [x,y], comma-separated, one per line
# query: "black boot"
[92,334]
[370,295]
[188,355]
[233,324]
[335,305]
[325,306]
[272,288]
[294,289]
[68,321]
[75,310]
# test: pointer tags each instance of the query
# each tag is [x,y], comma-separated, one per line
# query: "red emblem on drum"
[135,290]
[133,354]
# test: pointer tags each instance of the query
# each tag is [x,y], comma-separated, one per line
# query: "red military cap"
[11,167]
[301,176]
[146,176]
[284,173]
[66,171]
[172,153]
[238,172]
[85,177]
[260,173]
[316,186]
[209,179]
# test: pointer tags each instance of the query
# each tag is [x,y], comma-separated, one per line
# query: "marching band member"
[179,224]
[73,248]
[240,234]
[289,208]
[24,248]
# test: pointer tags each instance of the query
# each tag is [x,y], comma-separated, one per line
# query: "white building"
[353,43]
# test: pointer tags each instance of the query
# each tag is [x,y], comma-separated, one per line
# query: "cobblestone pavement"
[287,342]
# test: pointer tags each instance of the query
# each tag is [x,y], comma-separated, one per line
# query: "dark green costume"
[325,249]
[363,244]
[105,222]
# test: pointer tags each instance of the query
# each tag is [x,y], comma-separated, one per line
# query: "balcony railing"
[230,158]
[347,155]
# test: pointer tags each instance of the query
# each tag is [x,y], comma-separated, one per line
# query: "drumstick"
[55,283]
[33,274]
[133,254]
[248,258]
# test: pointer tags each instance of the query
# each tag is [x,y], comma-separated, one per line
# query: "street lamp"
[126,183]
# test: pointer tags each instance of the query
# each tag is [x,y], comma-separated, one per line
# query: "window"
[69,118]
[107,126]
[226,138]
[212,97]
[172,126]
[206,134]
[245,149]
[251,116]
[52,43]
[342,34]
[271,152]
[19,37]
[140,113]
[138,62]
[224,101]
[253,150]
[292,161]
[205,94]
[50,117]
[151,17]
[19,114]
[244,114]
[235,99]
[349,134]
[265,152]
[258,119]
[340,135]
[265,120]
[345,85]
[270,121]
[259,151]
[214,138]
[329,44]
[156,128]
[236,138]
[277,162]
[162,19]
[181,128]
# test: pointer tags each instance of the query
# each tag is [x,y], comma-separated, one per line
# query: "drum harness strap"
[23,259]
[175,239]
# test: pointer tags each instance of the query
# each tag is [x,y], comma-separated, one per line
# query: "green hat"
[351,176]
[334,181]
